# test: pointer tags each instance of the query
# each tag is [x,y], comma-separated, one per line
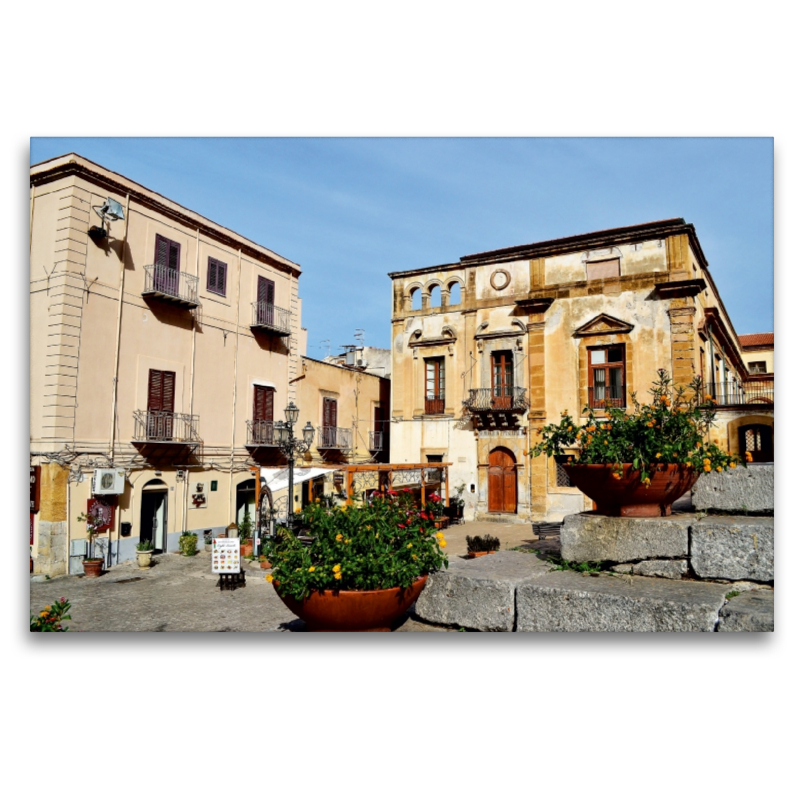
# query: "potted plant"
[637,463]
[92,567]
[144,553]
[245,529]
[207,541]
[264,563]
[359,568]
[188,543]
[482,545]
[455,511]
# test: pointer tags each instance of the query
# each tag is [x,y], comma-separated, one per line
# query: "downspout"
[116,360]
[235,371]
[191,376]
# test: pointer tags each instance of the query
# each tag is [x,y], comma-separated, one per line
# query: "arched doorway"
[246,502]
[757,439]
[153,517]
[502,481]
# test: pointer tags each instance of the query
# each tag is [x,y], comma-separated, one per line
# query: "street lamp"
[291,447]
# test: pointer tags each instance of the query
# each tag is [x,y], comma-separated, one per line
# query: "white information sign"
[225,556]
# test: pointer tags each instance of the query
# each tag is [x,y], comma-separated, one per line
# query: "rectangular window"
[434,385]
[266,301]
[597,270]
[757,367]
[562,479]
[217,276]
[502,378]
[330,412]
[607,376]
[160,404]
[167,265]
[263,409]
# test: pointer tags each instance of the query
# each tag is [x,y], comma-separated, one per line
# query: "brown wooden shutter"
[168,253]
[154,390]
[222,277]
[266,290]
[168,391]
[328,413]
[161,391]
[263,403]
[211,283]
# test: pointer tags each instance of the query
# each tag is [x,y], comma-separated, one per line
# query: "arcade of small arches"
[434,294]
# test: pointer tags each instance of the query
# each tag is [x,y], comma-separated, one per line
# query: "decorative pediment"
[603,323]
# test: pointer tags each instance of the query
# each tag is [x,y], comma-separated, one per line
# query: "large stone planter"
[628,496]
[144,558]
[354,610]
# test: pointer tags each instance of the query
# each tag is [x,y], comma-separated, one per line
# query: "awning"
[278,478]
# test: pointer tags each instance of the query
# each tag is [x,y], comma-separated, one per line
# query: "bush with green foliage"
[672,429]
[387,542]
[482,544]
[188,543]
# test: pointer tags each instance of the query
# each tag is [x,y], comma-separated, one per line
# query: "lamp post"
[290,447]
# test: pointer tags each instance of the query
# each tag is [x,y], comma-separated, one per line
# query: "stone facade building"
[488,349]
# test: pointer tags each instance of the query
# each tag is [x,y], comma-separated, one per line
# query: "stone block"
[740,489]
[478,593]
[751,611]
[593,537]
[733,548]
[657,568]
[572,602]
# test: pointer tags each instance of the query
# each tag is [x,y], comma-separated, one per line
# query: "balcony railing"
[744,394]
[268,317]
[434,405]
[335,438]
[602,396]
[376,439]
[261,432]
[499,398]
[165,426]
[169,284]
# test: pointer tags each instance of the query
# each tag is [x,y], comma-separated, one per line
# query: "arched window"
[416,299]
[455,293]
[436,296]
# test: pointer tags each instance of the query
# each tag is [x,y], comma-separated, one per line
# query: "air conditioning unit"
[108,481]
[360,362]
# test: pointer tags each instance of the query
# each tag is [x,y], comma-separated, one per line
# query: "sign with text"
[225,557]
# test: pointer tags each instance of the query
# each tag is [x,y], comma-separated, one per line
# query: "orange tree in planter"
[385,543]
[672,429]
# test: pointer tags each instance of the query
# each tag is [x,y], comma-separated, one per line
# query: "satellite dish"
[110,210]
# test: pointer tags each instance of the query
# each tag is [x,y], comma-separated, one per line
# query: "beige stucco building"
[158,350]
[487,349]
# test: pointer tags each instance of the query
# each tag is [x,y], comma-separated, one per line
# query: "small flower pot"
[265,565]
[144,558]
[246,549]
[93,567]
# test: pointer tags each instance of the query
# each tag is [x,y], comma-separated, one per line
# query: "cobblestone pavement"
[180,594]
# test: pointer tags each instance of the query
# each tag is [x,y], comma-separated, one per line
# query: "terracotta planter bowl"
[628,496]
[480,553]
[93,568]
[373,610]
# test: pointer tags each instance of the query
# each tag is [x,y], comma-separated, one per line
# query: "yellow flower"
[47,608]
[719,469]
[646,481]
[706,467]
[269,579]
[733,465]
[658,455]
[339,537]
[409,545]
[311,569]
[414,557]
[43,614]
[688,463]
[347,541]
[748,456]
[442,543]
[338,576]
[337,567]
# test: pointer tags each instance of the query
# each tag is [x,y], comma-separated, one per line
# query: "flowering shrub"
[51,617]
[385,543]
[672,429]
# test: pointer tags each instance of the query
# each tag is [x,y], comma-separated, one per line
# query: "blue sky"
[350,210]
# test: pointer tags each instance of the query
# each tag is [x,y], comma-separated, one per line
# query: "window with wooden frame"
[597,270]
[607,376]
[263,410]
[502,378]
[217,276]
[434,385]
[167,261]
[757,367]
[330,413]
[160,404]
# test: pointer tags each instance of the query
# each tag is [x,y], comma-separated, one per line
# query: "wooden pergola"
[388,473]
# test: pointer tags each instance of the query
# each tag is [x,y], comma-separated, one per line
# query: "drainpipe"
[119,329]
[191,376]
[235,372]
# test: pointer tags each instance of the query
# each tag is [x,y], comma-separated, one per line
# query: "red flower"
[401,526]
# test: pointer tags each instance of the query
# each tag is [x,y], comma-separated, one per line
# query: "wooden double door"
[502,481]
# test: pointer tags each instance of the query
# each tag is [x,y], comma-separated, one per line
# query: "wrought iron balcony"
[376,440]
[742,394]
[611,396]
[509,399]
[335,438]
[170,285]
[270,318]
[165,427]
[261,433]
